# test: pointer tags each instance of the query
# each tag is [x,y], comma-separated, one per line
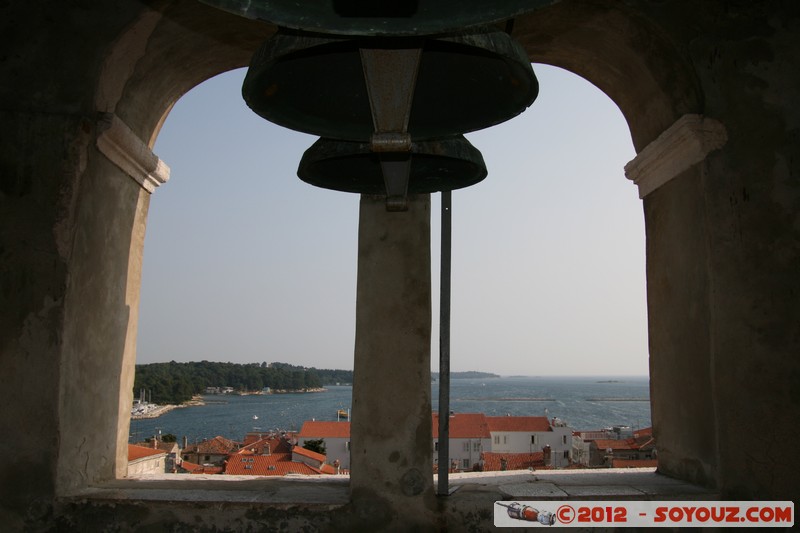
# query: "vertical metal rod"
[444,346]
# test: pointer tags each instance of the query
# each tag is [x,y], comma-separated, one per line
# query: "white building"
[142,461]
[469,436]
[336,436]
[528,434]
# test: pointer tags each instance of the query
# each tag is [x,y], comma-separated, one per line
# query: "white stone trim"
[687,142]
[125,149]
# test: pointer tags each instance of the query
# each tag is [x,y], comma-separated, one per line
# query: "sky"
[243,262]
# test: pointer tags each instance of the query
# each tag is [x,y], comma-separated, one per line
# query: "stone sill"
[328,492]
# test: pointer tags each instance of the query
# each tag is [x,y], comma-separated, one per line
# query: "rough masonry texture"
[723,254]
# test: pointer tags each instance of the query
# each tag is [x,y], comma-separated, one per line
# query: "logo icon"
[527,513]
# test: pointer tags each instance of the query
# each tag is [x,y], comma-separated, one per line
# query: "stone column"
[391,437]
[669,174]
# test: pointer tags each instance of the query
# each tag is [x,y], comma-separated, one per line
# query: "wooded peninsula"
[175,383]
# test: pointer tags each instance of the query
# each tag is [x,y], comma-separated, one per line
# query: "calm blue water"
[580,401]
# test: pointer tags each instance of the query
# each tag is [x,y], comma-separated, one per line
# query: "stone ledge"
[126,150]
[687,142]
[334,491]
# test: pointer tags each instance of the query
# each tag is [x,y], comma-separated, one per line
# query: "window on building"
[563,439]
[566,455]
[465,463]
[466,446]
[533,439]
[497,439]
[505,439]
[476,446]
[206,458]
[436,446]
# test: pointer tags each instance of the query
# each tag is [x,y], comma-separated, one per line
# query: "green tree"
[315,446]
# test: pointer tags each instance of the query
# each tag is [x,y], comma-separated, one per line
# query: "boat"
[342,413]
[255,417]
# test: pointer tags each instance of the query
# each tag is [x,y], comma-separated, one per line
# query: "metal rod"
[444,346]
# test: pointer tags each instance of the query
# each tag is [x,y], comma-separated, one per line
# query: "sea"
[583,403]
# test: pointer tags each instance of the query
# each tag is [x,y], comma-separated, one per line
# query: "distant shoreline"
[199,400]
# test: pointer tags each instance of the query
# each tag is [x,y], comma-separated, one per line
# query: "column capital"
[687,142]
[126,150]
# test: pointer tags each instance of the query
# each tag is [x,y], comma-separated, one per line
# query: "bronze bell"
[459,83]
[389,86]
[430,166]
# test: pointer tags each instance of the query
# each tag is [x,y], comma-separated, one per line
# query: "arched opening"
[243,261]
[548,275]
[552,240]
[177,58]
[240,257]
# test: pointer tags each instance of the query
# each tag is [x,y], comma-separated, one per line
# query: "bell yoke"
[388,90]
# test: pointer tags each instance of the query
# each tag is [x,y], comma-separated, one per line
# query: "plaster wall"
[147,465]
[335,448]
[520,441]
[468,449]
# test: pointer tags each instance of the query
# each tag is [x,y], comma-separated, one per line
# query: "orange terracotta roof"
[328,469]
[634,463]
[163,446]
[322,429]
[646,443]
[616,444]
[643,432]
[464,426]
[518,423]
[299,450]
[514,461]
[279,464]
[258,447]
[190,467]
[217,445]
[193,468]
[138,452]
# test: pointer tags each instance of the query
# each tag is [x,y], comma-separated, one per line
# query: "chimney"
[155,442]
[185,442]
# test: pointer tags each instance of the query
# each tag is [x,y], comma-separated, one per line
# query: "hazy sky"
[244,262]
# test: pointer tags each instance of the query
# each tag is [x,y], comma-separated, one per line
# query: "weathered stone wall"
[744,58]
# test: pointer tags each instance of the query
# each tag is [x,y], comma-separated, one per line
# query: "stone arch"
[620,52]
[654,84]
[159,56]
[166,52]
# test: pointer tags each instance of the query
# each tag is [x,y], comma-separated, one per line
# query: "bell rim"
[288,46]
[326,150]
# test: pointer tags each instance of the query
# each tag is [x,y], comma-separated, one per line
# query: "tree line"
[174,383]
